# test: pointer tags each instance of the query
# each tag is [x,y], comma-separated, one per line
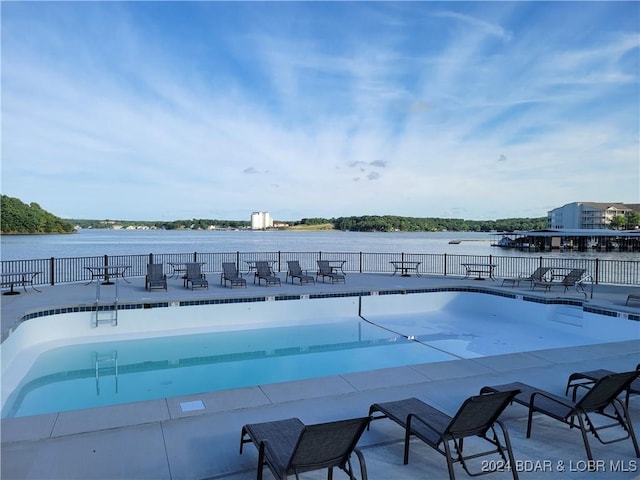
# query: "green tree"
[17,217]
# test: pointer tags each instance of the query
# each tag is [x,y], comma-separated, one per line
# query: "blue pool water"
[101,374]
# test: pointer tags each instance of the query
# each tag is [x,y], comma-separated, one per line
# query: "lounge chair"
[478,416]
[263,272]
[325,270]
[569,280]
[155,277]
[295,271]
[633,297]
[601,400]
[289,447]
[195,277]
[537,276]
[230,274]
[588,379]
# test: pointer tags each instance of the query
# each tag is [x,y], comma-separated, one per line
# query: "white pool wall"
[568,319]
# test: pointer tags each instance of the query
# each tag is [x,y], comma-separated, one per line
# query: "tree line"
[18,217]
[392,223]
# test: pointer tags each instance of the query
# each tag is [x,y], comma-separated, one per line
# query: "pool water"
[269,342]
[101,374]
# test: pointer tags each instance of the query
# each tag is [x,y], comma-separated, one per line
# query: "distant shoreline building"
[261,221]
[588,215]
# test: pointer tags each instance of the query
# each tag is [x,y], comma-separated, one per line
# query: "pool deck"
[158,440]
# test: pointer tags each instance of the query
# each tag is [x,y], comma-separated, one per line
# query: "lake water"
[95,242]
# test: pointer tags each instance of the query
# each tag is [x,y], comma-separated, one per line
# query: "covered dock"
[571,239]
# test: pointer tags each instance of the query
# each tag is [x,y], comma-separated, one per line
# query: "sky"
[178,110]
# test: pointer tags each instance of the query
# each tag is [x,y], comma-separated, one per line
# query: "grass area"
[321,226]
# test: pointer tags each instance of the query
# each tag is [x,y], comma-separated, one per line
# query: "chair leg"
[363,465]
[507,443]
[447,450]
[585,439]
[260,461]
[530,421]
[407,436]
[629,425]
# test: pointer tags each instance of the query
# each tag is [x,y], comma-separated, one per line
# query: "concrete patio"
[161,439]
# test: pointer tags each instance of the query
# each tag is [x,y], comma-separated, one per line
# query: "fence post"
[360,261]
[151,258]
[445,265]
[597,273]
[51,271]
[106,271]
[195,257]
[279,261]
[238,260]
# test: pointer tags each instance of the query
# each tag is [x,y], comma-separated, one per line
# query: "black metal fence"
[53,271]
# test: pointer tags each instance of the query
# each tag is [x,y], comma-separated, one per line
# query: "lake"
[96,242]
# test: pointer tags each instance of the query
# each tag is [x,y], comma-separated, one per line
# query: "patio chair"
[295,271]
[601,400]
[633,297]
[325,270]
[155,277]
[195,277]
[537,276]
[569,280]
[289,447]
[230,274]
[588,379]
[263,272]
[477,417]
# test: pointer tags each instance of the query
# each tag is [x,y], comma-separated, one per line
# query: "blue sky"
[163,110]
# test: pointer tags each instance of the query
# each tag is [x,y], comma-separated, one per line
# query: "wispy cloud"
[410,109]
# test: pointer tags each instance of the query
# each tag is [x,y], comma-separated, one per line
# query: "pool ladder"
[108,307]
[104,362]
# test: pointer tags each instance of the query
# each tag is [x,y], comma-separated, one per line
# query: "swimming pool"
[62,363]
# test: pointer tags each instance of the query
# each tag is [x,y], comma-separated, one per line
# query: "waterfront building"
[588,215]
[261,221]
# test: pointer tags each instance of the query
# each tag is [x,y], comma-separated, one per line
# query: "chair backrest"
[294,268]
[154,270]
[326,445]
[323,266]
[193,270]
[539,273]
[478,413]
[605,390]
[573,276]
[263,269]
[229,269]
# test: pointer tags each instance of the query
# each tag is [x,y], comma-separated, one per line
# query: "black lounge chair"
[195,277]
[295,271]
[230,274]
[478,416]
[325,270]
[573,278]
[263,272]
[537,276]
[602,396]
[289,447]
[588,379]
[155,277]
